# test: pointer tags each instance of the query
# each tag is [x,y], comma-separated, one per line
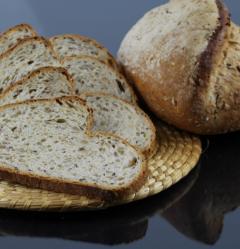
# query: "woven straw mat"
[177,155]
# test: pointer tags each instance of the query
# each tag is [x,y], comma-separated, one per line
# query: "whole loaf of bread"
[184,59]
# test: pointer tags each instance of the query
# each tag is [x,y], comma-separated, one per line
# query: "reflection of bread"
[200,213]
[122,224]
[184,60]
[73,227]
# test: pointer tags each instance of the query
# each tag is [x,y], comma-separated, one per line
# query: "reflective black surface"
[199,212]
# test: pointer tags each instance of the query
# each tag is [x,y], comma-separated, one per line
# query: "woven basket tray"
[177,155]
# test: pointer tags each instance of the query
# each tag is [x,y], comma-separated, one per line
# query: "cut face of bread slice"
[29,55]
[91,75]
[12,36]
[44,144]
[111,114]
[44,83]
[76,45]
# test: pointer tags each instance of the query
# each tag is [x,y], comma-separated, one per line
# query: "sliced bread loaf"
[44,144]
[44,83]
[12,36]
[111,114]
[91,75]
[30,54]
[76,45]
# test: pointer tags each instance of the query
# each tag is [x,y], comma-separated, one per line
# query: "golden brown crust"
[152,148]
[185,94]
[36,72]
[45,42]
[109,60]
[72,187]
[19,26]
[14,29]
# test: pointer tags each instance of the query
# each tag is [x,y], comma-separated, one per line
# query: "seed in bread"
[111,114]
[44,83]
[91,75]
[76,45]
[30,54]
[46,144]
[12,36]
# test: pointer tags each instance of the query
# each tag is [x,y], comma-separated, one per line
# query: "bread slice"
[46,144]
[12,36]
[30,54]
[91,75]
[111,114]
[44,83]
[76,45]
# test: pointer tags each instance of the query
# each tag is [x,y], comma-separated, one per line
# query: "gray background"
[107,21]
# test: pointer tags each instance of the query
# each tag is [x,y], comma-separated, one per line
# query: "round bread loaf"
[184,59]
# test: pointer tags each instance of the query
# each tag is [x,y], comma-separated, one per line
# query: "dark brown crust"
[216,42]
[36,72]
[151,149]
[69,187]
[206,61]
[133,95]
[74,188]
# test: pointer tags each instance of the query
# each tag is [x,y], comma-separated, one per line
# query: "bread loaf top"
[171,53]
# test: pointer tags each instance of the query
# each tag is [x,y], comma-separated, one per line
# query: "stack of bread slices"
[69,120]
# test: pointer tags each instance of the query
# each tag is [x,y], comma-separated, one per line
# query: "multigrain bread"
[30,54]
[43,83]
[12,36]
[183,58]
[46,144]
[70,45]
[111,114]
[91,75]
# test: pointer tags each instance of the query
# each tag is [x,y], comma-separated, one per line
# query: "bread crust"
[41,39]
[36,72]
[19,26]
[72,187]
[16,28]
[208,59]
[109,59]
[180,101]
[149,151]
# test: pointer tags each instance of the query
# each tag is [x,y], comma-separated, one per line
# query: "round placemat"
[177,154]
